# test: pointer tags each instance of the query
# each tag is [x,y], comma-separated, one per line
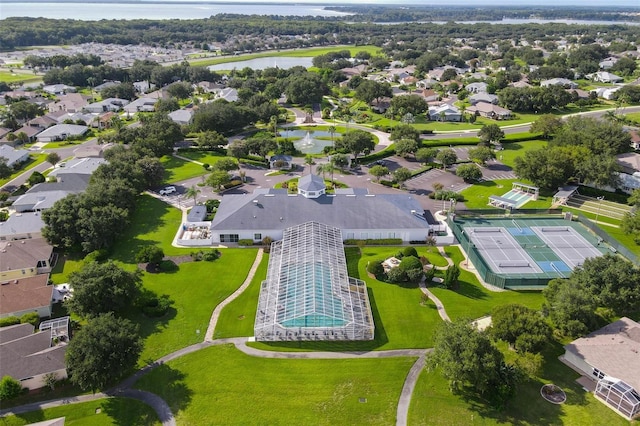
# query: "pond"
[307,141]
[283,62]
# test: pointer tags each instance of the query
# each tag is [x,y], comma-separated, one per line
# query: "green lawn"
[33,161]
[203,157]
[471,300]
[433,404]
[517,149]
[220,385]
[403,317]
[177,170]
[237,318]
[477,196]
[8,77]
[111,411]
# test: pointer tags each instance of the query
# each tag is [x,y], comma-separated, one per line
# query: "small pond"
[306,140]
[283,62]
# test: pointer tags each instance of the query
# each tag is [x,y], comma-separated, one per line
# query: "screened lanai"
[307,294]
[619,395]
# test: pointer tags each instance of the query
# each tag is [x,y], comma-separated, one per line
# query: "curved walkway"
[216,312]
[402,413]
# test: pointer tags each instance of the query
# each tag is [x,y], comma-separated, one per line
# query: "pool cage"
[307,294]
[619,395]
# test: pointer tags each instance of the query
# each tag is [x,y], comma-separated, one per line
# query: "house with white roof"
[564,82]
[605,77]
[483,97]
[477,87]
[13,156]
[109,104]
[146,104]
[444,112]
[58,89]
[182,116]
[60,132]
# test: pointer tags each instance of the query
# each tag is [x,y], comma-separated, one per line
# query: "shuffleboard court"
[501,251]
[570,246]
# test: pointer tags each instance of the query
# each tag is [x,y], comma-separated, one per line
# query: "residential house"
[20,226]
[426,83]
[564,82]
[429,95]
[608,63]
[146,104]
[25,258]
[520,84]
[491,111]
[14,156]
[105,85]
[483,97]
[408,81]
[60,132]
[635,139]
[25,295]
[606,92]
[610,358]
[605,77]
[229,94]
[58,89]
[80,166]
[72,102]
[30,357]
[182,116]
[477,87]
[198,213]
[143,86]
[30,132]
[96,151]
[444,112]
[209,87]
[380,105]
[579,93]
[109,104]
[104,120]
[42,122]
[629,175]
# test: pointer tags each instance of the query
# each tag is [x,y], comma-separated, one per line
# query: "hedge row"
[261,163]
[380,242]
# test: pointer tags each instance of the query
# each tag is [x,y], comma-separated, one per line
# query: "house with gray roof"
[25,258]
[477,87]
[105,105]
[483,97]
[60,132]
[13,156]
[28,357]
[58,89]
[81,166]
[25,295]
[564,82]
[182,116]
[71,102]
[360,215]
[610,357]
[21,225]
[605,77]
[146,104]
[444,112]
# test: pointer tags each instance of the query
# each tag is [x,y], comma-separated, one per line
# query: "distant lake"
[95,11]
[283,62]
[516,21]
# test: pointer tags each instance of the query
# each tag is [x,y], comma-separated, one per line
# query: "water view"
[283,62]
[307,141]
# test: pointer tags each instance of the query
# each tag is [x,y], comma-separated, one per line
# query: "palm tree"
[193,192]
[309,160]
[273,121]
[332,132]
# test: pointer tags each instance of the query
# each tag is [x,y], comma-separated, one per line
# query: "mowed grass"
[403,316]
[33,161]
[221,385]
[432,402]
[203,157]
[177,170]
[518,149]
[477,195]
[110,411]
[9,77]
[237,318]
[471,300]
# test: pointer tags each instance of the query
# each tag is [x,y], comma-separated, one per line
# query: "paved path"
[242,346]
[216,312]
[159,405]
[402,412]
[52,403]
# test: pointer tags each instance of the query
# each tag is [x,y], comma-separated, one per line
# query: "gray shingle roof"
[278,210]
[63,129]
[21,223]
[311,182]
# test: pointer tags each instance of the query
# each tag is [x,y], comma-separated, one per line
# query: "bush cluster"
[380,242]
[208,256]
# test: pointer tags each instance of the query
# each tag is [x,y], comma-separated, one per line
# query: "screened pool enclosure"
[307,294]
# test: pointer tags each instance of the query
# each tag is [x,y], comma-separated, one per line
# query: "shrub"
[410,251]
[396,275]
[414,275]
[375,267]
[150,254]
[266,242]
[212,205]
[5,322]
[210,256]
[380,242]
[245,242]
[32,318]
[410,262]
[9,388]
[158,306]
[96,256]
[429,274]
[232,184]
[451,276]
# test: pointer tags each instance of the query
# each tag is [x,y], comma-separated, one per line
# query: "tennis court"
[526,252]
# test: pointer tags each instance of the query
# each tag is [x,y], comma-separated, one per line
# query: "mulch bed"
[553,394]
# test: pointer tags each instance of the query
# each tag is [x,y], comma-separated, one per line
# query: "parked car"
[167,190]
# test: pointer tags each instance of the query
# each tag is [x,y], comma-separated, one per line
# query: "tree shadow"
[470,291]
[170,385]
[123,412]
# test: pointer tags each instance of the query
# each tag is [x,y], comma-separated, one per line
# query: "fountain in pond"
[308,144]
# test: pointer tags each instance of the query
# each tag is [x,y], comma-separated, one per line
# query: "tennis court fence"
[609,240]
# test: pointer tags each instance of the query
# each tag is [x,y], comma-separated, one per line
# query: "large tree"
[469,172]
[406,146]
[357,142]
[306,88]
[481,154]
[520,326]
[446,157]
[570,306]
[546,124]
[370,90]
[102,287]
[490,133]
[468,359]
[106,349]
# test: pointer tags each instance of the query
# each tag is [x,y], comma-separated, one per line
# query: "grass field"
[220,385]
[477,196]
[203,157]
[9,77]
[32,162]
[471,300]
[177,170]
[518,149]
[111,411]
[310,52]
[433,404]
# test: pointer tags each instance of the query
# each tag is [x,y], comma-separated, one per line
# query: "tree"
[217,179]
[238,149]
[357,142]
[106,349]
[446,157]
[53,158]
[152,171]
[340,161]
[423,155]
[306,88]
[469,172]
[102,287]
[410,104]
[9,388]
[550,167]
[193,192]
[150,254]
[570,306]
[378,171]
[406,146]
[451,276]
[5,170]
[180,90]
[211,139]
[370,90]
[404,131]
[401,175]
[308,159]
[521,327]
[225,164]
[481,154]
[36,178]
[547,124]
[490,133]
[467,357]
